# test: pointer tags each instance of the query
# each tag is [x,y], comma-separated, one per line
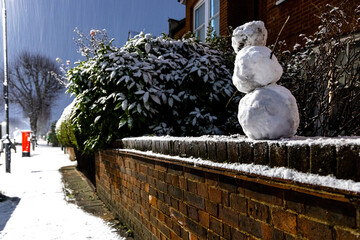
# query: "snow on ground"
[42,212]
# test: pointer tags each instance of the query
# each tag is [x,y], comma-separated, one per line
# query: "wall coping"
[294,141]
[310,160]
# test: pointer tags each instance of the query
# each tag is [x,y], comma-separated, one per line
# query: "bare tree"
[33,86]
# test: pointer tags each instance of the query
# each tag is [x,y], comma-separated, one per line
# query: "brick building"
[224,13]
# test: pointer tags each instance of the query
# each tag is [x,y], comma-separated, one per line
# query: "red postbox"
[25,143]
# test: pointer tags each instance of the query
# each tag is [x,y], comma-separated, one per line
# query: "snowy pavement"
[37,208]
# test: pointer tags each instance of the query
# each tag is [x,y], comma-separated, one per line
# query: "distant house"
[221,14]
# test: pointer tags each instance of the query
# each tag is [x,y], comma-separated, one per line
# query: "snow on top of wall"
[267,171]
[296,140]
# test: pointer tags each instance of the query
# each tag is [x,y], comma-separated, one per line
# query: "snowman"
[267,111]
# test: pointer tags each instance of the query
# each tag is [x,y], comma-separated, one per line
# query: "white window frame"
[207,16]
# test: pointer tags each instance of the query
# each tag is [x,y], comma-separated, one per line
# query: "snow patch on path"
[42,212]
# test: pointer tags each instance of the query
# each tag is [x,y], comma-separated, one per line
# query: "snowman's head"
[249,34]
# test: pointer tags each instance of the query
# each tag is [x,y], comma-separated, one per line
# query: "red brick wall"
[232,13]
[302,20]
[302,12]
[162,198]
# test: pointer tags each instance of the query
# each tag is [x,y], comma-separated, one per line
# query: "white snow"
[249,34]
[269,113]
[254,68]
[293,141]
[66,114]
[263,170]
[42,212]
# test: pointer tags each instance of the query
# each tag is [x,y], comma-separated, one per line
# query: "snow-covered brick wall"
[175,196]
[339,157]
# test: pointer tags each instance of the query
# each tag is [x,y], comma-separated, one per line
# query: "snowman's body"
[267,111]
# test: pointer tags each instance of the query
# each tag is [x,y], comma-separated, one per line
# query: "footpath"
[45,197]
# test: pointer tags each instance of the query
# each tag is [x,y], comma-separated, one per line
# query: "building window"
[206,12]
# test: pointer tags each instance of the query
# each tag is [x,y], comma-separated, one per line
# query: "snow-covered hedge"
[64,129]
[152,86]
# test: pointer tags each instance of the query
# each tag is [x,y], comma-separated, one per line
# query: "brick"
[204,218]
[174,236]
[153,200]
[182,207]
[163,207]
[225,198]
[258,211]
[193,213]
[195,228]
[277,155]
[161,166]
[327,210]
[314,230]
[284,220]
[227,183]
[174,148]
[156,146]
[161,176]
[182,183]
[211,149]
[192,186]
[269,232]
[161,186]
[246,152]
[299,157]
[168,178]
[322,159]
[348,162]
[261,153]
[167,199]
[233,152]
[177,216]
[229,216]
[194,200]
[212,236]
[164,229]
[235,234]
[264,193]
[193,236]
[212,208]
[176,228]
[175,170]
[184,234]
[175,203]
[160,216]
[250,226]
[221,152]
[212,179]
[238,203]
[194,174]
[346,234]
[216,225]
[202,190]
[214,195]
[164,147]
[200,149]
[175,192]
[227,231]
[189,148]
